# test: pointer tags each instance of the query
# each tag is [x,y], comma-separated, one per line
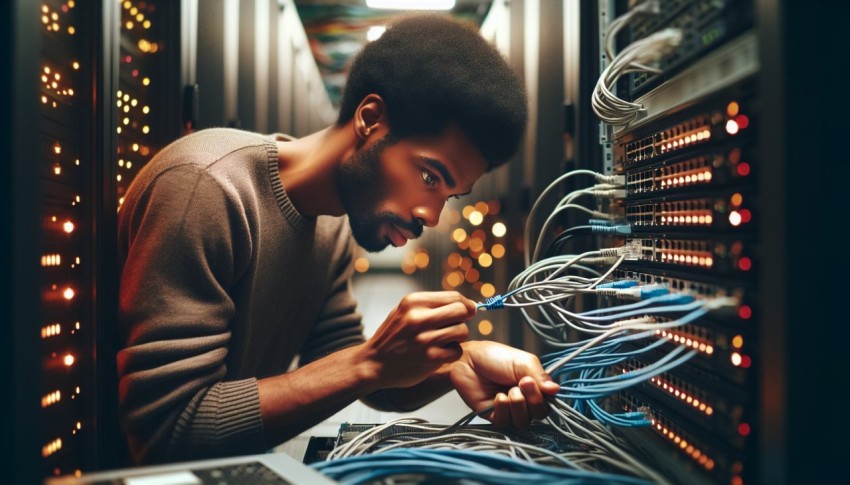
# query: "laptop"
[269,468]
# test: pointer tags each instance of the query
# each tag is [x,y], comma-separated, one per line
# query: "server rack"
[96,90]
[732,178]
[692,202]
[70,193]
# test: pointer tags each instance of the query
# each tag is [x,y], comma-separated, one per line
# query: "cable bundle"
[484,455]
[414,465]
[634,58]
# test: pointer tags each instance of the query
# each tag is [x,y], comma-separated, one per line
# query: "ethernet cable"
[420,435]
[614,110]
[648,7]
[459,465]
[614,180]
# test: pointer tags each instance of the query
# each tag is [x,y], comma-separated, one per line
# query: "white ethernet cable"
[601,450]
[615,181]
[612,109]
[648,7]
[610,191]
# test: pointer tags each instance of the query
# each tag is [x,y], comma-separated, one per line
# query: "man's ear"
[370,116]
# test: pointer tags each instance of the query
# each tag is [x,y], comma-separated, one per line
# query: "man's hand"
[422,333]
[511,380]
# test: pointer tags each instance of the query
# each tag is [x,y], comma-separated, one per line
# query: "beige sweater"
[222,282]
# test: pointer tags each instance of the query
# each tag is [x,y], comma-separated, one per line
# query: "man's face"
[391,189]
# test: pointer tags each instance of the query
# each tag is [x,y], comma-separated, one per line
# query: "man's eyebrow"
[436,165]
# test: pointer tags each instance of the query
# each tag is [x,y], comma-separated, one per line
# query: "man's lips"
[398,236]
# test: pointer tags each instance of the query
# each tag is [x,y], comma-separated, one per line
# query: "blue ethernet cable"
[479,467]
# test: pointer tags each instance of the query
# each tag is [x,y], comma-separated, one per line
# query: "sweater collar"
[295,218]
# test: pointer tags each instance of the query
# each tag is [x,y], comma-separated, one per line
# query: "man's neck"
[308,167]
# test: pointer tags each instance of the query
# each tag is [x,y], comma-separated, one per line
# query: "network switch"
[732,211]
[683,449]
[705,25]
[720,255]
[723,120]
[711,169]
[698,398]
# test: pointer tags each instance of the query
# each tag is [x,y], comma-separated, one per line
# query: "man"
[236,258]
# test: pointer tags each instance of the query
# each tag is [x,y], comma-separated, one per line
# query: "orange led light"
[68,360]
[68,293]
[737,199]
[732,109]
[68,227]
[485,327]
[737,341]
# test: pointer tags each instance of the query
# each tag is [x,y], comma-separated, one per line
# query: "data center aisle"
[377,294]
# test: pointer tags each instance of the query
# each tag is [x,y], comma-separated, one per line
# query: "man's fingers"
[448,353]
[519,410]
[454,334]
[530,366]
[501,415]
[434,299]
[534,400]
[441,316]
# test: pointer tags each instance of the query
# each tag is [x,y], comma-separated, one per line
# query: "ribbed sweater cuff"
[228,418]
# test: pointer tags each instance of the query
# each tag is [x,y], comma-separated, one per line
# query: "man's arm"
[413,345]
[488,374]
[184,242]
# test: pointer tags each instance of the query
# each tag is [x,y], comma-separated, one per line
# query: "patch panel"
[729,256]
[705,24]
[706,171]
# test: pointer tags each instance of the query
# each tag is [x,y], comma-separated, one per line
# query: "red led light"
[745,312]
[735,155]
[744,429]
[746,361]
[745,264]
[135,73]
[128,59]
[743,121]
[743,169]
[746,215]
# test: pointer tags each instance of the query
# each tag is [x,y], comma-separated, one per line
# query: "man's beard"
[362,189]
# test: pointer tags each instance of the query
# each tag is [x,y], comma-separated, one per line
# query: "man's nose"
[427,215]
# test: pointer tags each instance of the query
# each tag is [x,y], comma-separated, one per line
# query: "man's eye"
[428,178]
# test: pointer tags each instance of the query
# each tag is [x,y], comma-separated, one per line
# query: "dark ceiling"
[337,31]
